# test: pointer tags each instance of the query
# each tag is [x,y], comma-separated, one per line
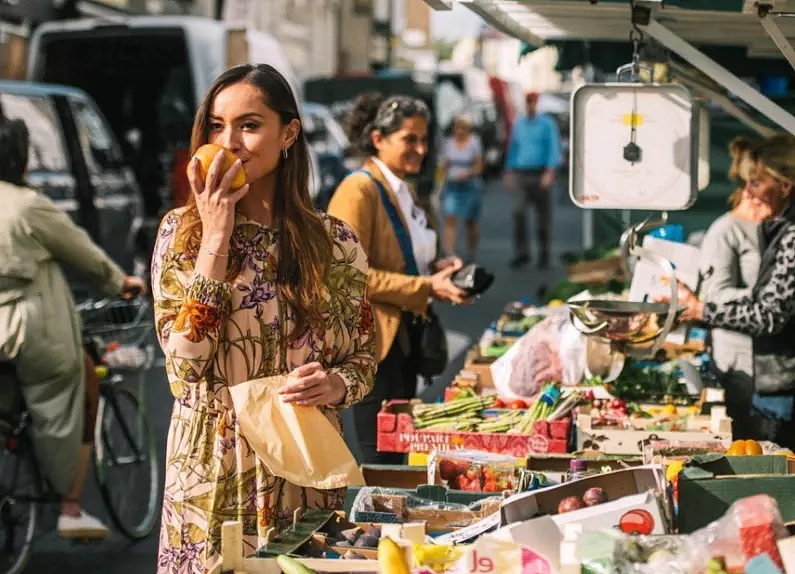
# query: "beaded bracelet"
[214,254]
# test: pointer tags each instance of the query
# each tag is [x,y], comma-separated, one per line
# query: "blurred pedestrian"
[730,258]
[401,245]
[767,312]
[462,161]
[40,331]
[534,154]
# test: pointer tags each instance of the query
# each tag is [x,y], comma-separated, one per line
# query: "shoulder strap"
[400,231]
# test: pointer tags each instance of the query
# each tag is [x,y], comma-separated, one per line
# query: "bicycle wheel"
[21,490]
[126,464]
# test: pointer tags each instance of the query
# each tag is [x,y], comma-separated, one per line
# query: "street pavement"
[464,325]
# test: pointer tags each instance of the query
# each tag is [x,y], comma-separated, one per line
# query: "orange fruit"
[737,448]
[744,448]
[206,155]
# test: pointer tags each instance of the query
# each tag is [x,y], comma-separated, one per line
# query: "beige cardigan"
[358,203]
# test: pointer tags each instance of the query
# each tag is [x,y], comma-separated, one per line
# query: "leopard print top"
[773,307]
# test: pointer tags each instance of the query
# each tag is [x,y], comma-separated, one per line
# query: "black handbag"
[429,351]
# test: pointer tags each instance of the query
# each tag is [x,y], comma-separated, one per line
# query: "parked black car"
[331,146]
[76,160]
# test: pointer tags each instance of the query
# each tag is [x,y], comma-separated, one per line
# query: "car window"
[47,150]
[99,147]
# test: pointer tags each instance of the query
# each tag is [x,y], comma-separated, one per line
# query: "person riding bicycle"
[40,330]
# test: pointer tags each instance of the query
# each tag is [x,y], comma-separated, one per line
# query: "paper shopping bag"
[296,443]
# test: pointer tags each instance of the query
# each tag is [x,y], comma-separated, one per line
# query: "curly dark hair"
[373,112]
[14,141]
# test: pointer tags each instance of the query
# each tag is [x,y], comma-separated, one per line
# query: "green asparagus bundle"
[457,408]
[538,412]
[502,423]
[460,422]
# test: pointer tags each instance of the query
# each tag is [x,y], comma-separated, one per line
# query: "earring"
[284,152]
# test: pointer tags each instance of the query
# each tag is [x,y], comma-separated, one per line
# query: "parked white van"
[148,75]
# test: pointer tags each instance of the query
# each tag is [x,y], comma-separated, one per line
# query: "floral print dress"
[215,334]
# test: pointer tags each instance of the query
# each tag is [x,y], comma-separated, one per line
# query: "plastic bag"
[474,470]
[532,361]
[749,528]
[394,505]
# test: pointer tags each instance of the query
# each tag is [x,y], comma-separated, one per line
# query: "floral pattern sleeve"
[188,309]
[772,309]
[354,358]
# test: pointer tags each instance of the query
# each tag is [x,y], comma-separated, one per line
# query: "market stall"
[584,433]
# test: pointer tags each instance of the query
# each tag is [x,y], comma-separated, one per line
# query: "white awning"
[538,21]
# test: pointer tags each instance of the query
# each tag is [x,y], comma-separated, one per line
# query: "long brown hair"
[305,247]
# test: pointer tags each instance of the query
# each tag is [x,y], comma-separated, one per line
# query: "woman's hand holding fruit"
[218,182]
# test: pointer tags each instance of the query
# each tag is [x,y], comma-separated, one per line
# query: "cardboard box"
[422,505]
[635,514]
[394,476]
[616,485]
[555,466]
[716,427]
[595,272]
[706,493]
[479,366]
[396,433]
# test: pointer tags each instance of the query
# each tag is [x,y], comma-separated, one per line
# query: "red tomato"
[517,404]
[500,404]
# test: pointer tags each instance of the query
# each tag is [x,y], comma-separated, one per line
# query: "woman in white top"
[393,133]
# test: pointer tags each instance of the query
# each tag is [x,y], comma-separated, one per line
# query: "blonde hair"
[774,156]
[741,167]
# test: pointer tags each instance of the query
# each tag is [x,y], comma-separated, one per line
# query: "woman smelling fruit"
[250,283]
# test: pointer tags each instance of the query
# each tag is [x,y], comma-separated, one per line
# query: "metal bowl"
[620,321]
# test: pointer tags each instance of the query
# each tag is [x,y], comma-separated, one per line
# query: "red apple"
[594,496]
[570,503]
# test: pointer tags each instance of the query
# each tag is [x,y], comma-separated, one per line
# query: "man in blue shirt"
[534,154]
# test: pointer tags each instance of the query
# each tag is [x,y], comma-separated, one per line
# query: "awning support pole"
[778,37]
[721,75]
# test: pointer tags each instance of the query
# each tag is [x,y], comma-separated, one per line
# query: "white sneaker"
[83,526]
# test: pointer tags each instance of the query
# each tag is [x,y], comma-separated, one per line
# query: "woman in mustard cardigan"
[393,135]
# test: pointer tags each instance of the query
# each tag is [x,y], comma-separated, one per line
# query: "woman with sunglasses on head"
[766,312]
[729,265]
[401,243]
[248,284]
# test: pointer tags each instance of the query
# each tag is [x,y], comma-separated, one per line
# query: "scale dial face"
[602,120]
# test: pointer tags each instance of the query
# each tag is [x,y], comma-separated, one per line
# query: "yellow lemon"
[555,303]
[669,410]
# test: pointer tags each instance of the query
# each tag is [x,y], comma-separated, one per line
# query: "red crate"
[396,433]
